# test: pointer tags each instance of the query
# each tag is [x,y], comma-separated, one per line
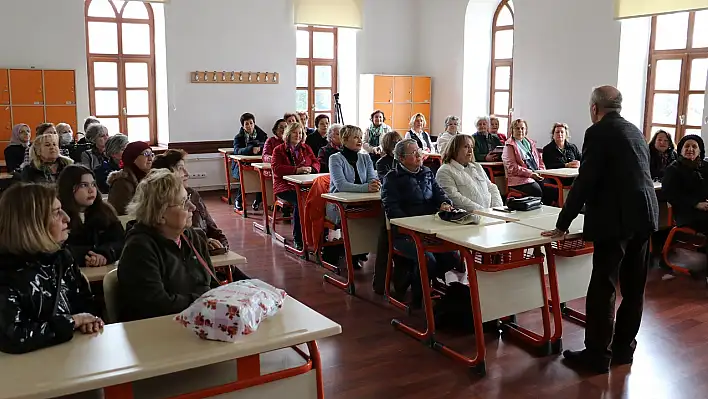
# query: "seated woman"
[373,134]
[19,143]
[334,145]
[293,157]
[410,189]
[317,139]
[201,219]
[465,182]
[97,135]
[275,140]
[560,153]
[115,145]
[661,154]
[451,124]
[485,142]
[96,235]
[304,118]
[685,184]
[494,128]
[45,162]
[418,133]
[43,296]
[137,161]
[42,128]
[521,162]
[248,141]
[386,162]
[165,265]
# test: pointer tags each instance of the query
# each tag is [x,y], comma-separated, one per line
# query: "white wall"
[55,42]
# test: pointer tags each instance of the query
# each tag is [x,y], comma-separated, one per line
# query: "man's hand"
[702,206]
[256,150]
[555,233]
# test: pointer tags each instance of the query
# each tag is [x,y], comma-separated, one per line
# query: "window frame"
[686,55]
[311,62]
[502,62]
[121,60]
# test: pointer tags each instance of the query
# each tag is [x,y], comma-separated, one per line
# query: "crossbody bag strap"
[201,260]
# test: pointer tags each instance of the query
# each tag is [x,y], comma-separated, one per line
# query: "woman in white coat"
[464,180]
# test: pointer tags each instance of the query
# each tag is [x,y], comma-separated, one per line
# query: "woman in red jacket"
[293,157]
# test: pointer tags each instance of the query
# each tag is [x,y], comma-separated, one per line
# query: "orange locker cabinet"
[4,87]
[383,89]
[59,88]
[402,87]
[401,117]
[58,114]
[5,123]
[421,89]
[405,95]
[423,109]
[26,87]
[3,145]
[31,115]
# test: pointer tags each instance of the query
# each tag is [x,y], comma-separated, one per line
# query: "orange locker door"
[402,86]
[421,89]
[425,110]
[383,89]
[26,87]
[5,123]
[4,87]
[401,117]
[31,115]
[387,109]
[3,145]
[58,114]
[59,88]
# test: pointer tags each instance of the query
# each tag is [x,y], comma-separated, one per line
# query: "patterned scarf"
[375,134]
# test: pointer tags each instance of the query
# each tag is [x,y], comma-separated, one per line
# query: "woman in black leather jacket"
[685,184]
[43,296]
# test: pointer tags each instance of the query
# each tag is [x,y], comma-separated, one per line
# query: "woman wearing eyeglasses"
[137,161]
[96,234]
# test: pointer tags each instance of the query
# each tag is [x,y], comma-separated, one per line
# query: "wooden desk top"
[547,223]
[304,179]
[499,163]
[516,216]
[353,197]
[97,273]
[228,259]
[495,238]
[226,151]
[562,172]
[246,158]
[261,165]
[4,176]
[429,224]
[126,352]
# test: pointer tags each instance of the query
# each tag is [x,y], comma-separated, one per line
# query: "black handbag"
[524,204]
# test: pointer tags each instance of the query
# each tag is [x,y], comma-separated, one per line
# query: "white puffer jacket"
[469,188]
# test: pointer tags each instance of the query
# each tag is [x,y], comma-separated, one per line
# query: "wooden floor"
[372,360]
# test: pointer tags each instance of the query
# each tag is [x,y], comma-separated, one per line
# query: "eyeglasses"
[185,203]
[418,152]
[148,154]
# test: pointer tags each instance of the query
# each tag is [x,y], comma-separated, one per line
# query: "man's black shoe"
[583,360]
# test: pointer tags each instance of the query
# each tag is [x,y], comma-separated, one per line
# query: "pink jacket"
[516,171]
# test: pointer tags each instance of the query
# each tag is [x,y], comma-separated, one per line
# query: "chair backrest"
[110,294]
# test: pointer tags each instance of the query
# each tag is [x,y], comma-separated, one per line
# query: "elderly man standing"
[621,213]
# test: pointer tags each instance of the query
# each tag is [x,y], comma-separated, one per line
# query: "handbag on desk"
[524,204]
[459,216]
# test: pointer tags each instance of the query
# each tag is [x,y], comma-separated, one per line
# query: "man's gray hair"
[450,119]
[607,99]
[482,118]
[399,152]
[332,128]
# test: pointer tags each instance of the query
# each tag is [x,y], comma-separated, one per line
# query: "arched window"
[676,79]
[120,43]
[502,63]
[316,50]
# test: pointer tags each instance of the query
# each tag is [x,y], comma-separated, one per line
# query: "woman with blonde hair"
[43,296]
[561,153]
[418,133]
[45,161]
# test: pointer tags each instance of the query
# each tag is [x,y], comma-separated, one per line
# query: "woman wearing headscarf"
[19,143]
[137,161]
[115,145]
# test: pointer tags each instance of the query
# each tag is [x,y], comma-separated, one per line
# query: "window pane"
[103,37]
[503,44]
[668,75]
[136,74]
[692,131]
[139,129]
[694,114]
[501,103]
[101,8]
[665,108]
[503,125]
[323,76]
[303,44]
[302,73]
[301,102]
[112,124]
[699,73]
[505,18]
[323,45]
[136,39]
[137,101]
[700,29]
[323,100]
[135,10]
[105,74]
[671,31]
[502,77]
[106,102]
[670,130]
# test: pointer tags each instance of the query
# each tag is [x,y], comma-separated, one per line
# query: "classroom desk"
[361,221]
[558,175]
[248,178]
[227,169]
[515,216]
[266,178]
[96,274]
[4,176]
[124,355]
[506,277]
[301,184]
[495,171]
